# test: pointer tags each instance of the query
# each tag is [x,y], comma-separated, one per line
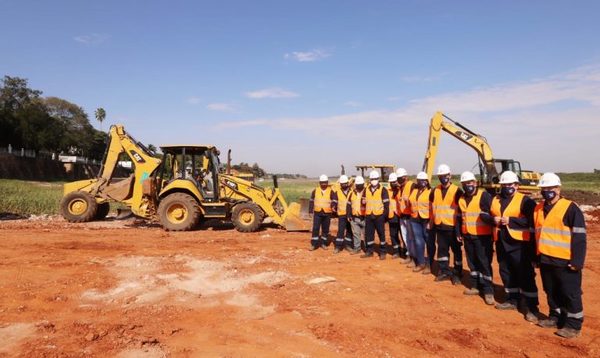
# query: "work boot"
[426,270]
[349,249]
[550,322]
[471,291]
[337,250]
[355,251]
[531,316]
[382,256]
[567,332]
[366,255]
[489,299]
[411,264]
[406,260]
[313,248]
[324,247]
[508,305]
[395,256]
[456,280]
[442,277]
[418,268]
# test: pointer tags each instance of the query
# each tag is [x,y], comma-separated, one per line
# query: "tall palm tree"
[100,116]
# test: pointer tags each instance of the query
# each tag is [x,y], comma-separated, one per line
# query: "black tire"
[103,210]
[178,212]
[78,207]
[247,217]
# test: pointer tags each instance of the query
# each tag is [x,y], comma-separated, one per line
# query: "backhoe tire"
[78,207]
[178,212]
[247,217]
[103,210]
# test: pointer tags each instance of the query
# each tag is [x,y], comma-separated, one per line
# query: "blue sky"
[303,86]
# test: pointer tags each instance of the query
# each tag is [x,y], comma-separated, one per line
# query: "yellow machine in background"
[384,170]
[178,191]
[490,168]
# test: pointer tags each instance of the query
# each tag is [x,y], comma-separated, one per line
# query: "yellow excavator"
[490,168]
[181,189]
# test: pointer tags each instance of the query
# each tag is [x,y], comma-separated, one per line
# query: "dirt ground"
[126,289]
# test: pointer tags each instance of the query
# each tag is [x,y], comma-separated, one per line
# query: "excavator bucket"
[296,217]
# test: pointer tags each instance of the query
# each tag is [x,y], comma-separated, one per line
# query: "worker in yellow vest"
[405,186]
[444,202]
[341,198]
[515,247]
[376,210]
[320,206]
[475,224]
[355,211]
[394,214]
[561,245]
[420,208]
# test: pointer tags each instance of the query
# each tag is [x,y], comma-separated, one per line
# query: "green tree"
[100,116]
[17,101]
[78,133]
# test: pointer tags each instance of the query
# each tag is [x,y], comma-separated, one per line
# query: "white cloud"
[193,100]
[273,92]
[91,39]
[220,107]
[307,56]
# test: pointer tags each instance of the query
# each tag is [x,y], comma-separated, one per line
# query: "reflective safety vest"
[342,201]
[444,209]
[405,198]
[552,235]
[394,203]
[512,210]
[471,216]
[322,200]
[374,201]
[419,203]
[355,199]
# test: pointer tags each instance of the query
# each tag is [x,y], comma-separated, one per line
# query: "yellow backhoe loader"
[490,168]
[179,190]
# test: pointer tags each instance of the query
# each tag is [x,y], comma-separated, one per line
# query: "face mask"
[402,180]
[548,195]
[507,191]
[374,182]
[444,180]
[422,184]
[323,186]
[469,188]
[344,186]
[360,187]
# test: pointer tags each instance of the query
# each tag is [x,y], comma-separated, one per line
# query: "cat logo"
[138,158]
[464,136]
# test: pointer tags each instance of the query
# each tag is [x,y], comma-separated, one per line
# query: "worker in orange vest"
[394,214]
[475,224]
[419,221]
[340,199]
[515,247]
[561,245]
[320,206]
[405,187]
[376,210]
[355,211]
[444,203]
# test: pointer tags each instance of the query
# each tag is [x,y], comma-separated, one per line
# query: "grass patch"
[29,197]
[580,181]
[293,189]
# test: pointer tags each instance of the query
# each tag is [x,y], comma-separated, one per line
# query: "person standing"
[393,215]
[475,224]
[355,211]
[420,208]
[444,199]
[561,245]
[376,210]
[320,206]
[405,187]
[340,200]
[513,218]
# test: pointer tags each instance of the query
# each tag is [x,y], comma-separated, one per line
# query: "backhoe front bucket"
[296,217]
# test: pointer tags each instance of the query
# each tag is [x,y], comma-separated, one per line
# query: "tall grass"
[29,198]
[580,181]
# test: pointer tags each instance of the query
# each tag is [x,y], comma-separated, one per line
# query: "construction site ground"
[129,289]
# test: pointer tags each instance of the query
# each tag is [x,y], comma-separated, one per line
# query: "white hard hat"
[401,172]
[343,179]
[508,177]
[323,178]
[443,170]
[467,176]
[392,178]
[422,176]
[359,180]
[374,174]
[549,180]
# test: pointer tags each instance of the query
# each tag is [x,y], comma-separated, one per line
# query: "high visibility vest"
[355,199]
[322,200]
[552,235]
[471,216]
[342,201]
[394,205]
[444,209]
[374,201]
[405,198]
[512,210]
[419,203]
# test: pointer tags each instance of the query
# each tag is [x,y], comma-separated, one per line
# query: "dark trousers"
[446,240]
[478,250]
[394,224]
[375,223]
[430,243]
[518,276]
[321,223]
[344,233]
[563,289]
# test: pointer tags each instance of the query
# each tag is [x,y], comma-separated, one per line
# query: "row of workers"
[550,235]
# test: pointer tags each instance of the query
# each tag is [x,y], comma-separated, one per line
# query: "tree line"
[29,120]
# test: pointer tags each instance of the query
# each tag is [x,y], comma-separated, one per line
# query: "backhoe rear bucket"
[123,213]
[296,217]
